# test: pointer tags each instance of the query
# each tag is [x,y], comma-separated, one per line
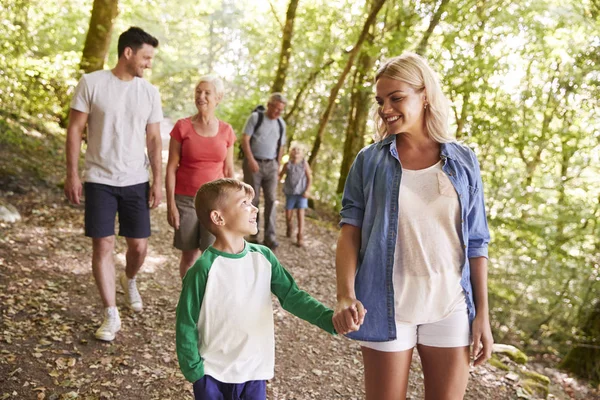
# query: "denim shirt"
[370,202]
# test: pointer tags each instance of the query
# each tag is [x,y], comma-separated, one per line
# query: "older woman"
[414,243]
[200,151]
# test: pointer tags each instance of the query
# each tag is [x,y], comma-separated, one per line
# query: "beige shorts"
[191,234]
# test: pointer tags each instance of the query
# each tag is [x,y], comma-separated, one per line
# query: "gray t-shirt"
[264,142]
[118,114]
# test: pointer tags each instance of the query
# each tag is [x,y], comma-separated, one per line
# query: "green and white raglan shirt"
[225,323]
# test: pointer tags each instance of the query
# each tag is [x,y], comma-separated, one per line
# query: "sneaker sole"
[106,337]
[135,308]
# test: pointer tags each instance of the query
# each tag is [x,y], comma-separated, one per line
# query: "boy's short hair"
[212,195]
[135,38]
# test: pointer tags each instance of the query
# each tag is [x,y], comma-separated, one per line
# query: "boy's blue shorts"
[208,388]
[293,201]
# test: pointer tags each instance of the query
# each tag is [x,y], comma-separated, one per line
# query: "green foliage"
[30,149]
[522,78]
[39,62]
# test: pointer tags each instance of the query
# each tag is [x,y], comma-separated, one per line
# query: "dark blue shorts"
[208,388]
[102,202]
[294,201]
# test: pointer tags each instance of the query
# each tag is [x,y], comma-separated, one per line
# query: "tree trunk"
[376,6]
[290,116]
[97,41]
[359,112]
[435,20]
[584,358]
[286,48]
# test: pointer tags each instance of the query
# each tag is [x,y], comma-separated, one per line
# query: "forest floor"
[50,309]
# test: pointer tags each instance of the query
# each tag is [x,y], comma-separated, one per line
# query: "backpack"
[260,110]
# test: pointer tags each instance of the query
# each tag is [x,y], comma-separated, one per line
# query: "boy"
[225,328]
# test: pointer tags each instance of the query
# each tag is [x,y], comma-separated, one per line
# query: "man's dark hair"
[135,38]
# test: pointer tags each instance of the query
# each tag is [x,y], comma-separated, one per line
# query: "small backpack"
[260,110]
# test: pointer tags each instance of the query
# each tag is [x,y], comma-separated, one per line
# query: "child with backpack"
[296,188]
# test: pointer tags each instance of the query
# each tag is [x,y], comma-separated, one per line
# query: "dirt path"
[50,308]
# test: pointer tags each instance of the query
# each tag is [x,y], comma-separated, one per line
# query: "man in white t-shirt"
[123,114]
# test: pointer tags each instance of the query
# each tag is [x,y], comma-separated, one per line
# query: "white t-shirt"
[119,112]
[429,254]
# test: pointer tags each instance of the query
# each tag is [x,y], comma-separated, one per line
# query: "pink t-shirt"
[202,158]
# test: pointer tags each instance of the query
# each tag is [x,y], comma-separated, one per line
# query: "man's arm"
[77,122]
[154,145]
[280,155]
[248,153]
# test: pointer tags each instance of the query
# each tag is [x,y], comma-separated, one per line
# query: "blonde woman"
[200,151]
[413,243]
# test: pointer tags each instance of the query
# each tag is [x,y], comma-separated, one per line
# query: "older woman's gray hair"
[216,82]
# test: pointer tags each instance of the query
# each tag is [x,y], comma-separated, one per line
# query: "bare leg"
[136,254]
[289,214]
[386,374]
[300,236]
[446,371]
[103,268]
[188,258]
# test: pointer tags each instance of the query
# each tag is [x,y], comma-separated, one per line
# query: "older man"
[263,145]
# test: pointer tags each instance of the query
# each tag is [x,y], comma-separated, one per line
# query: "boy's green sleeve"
[186,325]
[297,301]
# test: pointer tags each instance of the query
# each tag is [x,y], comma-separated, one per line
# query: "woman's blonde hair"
[414,70]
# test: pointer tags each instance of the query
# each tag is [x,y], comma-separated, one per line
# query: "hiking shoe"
[134,300]
[110,326]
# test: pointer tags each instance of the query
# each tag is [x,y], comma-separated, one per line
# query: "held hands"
[73,189]
[482,339]
[349,315]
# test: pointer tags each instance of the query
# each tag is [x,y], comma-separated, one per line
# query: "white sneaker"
[134,300]
[110,326]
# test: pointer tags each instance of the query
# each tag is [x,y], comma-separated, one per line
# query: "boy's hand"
[306,194]
[349,315]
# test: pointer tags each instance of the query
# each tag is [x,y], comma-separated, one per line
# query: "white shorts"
[452,331]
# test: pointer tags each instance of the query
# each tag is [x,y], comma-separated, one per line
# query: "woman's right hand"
[349,315]
[173,217]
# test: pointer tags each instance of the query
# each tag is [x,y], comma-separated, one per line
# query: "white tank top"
[429,253]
